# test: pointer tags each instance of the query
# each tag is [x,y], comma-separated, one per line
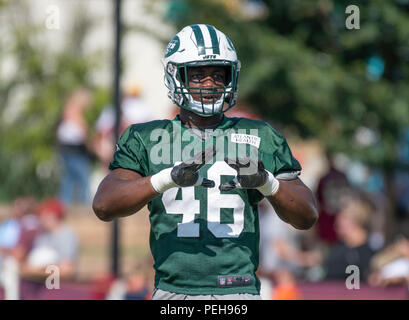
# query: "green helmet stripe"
[199,39]
[215,42]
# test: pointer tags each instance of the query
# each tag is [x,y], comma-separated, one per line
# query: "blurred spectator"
[353,248]
[402,194]
[10,228]
[17,233]
[372,182]
[137,285]
[391,265]
[72,134]
[402,176]
[56,245]
[374,188]
[329,191]
[133,110]
[282,260]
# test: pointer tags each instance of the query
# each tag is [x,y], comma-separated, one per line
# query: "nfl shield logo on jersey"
[222,281]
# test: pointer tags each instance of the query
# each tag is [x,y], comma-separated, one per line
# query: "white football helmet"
[201,45]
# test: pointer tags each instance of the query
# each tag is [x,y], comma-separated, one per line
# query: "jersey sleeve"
[281,162]
[287,167]
[277,158]
[130,153]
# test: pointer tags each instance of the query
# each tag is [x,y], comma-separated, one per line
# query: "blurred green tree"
[32,98]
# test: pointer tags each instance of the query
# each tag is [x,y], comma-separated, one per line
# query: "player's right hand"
[185,174]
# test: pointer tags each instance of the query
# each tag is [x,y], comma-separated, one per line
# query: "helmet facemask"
[196,99]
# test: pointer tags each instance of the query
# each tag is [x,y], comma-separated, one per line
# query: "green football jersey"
[203,240]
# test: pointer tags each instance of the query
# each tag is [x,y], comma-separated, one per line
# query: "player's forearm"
[295,204]
[118,198]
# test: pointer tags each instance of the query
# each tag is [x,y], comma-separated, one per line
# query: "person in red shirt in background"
[330,188]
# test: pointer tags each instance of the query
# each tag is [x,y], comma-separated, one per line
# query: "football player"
[201,191]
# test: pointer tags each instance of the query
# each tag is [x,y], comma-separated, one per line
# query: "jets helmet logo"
[173,46]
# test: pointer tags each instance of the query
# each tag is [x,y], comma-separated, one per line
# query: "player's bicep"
[123,174]
[115,178]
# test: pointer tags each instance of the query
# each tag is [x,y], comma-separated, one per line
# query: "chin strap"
[199,107]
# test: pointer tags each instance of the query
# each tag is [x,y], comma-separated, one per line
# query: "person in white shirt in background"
[57,244]
[133,110]
[74,148]
[55,248]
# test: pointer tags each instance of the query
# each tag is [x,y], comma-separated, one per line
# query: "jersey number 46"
[189,207]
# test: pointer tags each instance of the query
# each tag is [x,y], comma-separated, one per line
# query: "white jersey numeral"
[216,201]
[189,207]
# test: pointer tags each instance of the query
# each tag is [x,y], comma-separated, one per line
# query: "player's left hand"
[250,175]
